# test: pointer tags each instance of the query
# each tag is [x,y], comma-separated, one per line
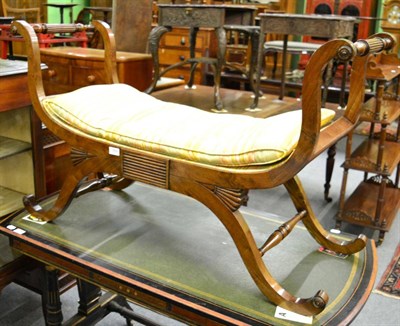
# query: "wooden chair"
[29,14]
[219,181]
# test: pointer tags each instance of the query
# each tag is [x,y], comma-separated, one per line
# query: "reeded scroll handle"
[375,44]
[57,28]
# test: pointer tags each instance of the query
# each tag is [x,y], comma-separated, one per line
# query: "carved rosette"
[78,156]
[232,198]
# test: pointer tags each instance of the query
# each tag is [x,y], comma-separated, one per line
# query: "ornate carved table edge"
[163,298]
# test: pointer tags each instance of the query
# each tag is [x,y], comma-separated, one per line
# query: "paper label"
[19,231]
[292,316]
[114,151]
[33,219]
[332,253]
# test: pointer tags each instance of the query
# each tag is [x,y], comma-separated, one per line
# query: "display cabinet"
[32,160]
[16,148]
[376,201]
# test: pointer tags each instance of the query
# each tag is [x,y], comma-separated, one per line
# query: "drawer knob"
[183,40]
[182,57]
[91,78]
[52,73]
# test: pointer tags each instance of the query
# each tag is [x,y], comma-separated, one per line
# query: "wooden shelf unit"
[376,201]
[29,154]
[362,205]
[16,146]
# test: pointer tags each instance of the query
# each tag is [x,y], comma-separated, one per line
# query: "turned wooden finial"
[155,12]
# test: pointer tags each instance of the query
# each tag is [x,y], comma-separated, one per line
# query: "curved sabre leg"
[76,176]
[104,181]
[299,198]
[247,247]
[120,183]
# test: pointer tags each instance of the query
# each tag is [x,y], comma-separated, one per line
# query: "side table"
[327,26]
[195,17]
[61,7]
[104,11]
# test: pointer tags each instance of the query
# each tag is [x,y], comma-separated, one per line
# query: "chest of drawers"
[70,68]
[175,47]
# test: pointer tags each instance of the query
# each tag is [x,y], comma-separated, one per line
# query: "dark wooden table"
[106,11]
[149,246]
[323,26]
[195,17]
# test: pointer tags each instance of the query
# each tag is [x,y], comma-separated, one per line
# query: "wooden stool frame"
[222,190]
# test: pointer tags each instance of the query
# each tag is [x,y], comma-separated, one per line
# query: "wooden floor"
[234,101]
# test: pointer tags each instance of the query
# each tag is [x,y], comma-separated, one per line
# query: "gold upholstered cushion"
[119,114]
